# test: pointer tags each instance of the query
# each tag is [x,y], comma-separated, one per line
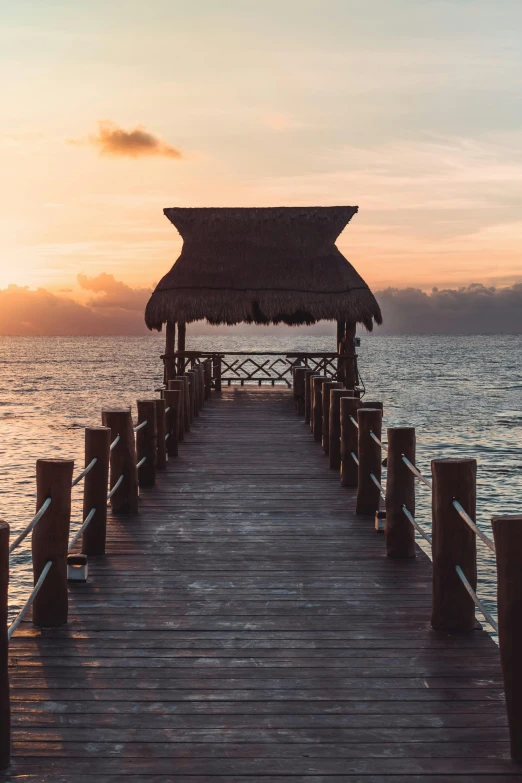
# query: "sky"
[114,109]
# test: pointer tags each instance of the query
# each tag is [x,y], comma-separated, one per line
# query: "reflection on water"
[463,394]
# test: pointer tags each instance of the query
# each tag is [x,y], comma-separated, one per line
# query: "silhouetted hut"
[264,266]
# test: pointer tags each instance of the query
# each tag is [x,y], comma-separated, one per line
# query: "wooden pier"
[246,625]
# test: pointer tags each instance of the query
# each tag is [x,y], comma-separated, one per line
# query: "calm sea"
[463,394]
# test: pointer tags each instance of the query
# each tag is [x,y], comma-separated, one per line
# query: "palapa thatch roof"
[261,265]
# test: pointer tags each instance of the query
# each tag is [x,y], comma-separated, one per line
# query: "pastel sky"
[409,108]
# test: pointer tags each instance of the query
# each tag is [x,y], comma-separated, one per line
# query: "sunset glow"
[113,110]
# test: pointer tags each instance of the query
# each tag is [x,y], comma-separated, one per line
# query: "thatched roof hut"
[261,265]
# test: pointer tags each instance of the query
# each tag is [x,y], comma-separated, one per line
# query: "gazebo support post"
[170,347]
[182,332]
[350,366]
[341,330]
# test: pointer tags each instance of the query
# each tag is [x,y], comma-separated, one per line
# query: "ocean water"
[462,393]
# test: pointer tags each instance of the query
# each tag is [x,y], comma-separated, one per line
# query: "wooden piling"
[216,370]
[310,384]
[182,337]
[197,397]
[208,378]
[5,710]
[400,491]
[201,386]
[368,495]
[453,544]
[50,540]
[317,407]
[173,401]
[299,389]
[186,403]
[350,376]
[349,441]
[192,395]
[334,427]
[293,368]
[147,443]
[200,368]
[507,532]
[180,385]
[161,452]
[325,397]
[122,461]
[170,337]
[96,483]
[372,404]
[308,394]
[170,347]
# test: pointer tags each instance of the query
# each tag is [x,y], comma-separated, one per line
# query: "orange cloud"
[137,143]
[115,309]
[118,309]
[112,293]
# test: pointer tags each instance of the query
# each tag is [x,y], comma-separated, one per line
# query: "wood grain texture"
[247,626]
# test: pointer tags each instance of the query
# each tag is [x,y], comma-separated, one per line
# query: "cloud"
[112,293]
[473,309]
[116,308]
[137,143]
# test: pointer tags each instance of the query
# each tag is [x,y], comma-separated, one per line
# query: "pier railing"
[120,458]
[350,430]
[258,367]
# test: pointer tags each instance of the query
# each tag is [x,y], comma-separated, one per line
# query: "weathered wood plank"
[246,625]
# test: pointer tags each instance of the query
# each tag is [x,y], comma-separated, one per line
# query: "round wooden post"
[201,369]
[161,453]
[197,406]
[400,491]
[308,395]
[216,367]
[170,347]
[368,495]
[317,407]
[208,377]
[190,382]
[180,385]
[349,441]
[293,369]
[96,482]
[186,403]
[372,404]
[197,392]
[507,531]
[188,399]
[51,539]
[122,461]
[194,390]
[311,378]
[5,710]
[299,389]
[192,394]
[182,336]
[325,396]
[334,427]
[147,443]
[174,401]
[170,337]
[453,544]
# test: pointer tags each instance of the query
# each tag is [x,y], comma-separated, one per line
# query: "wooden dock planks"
[247,626]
